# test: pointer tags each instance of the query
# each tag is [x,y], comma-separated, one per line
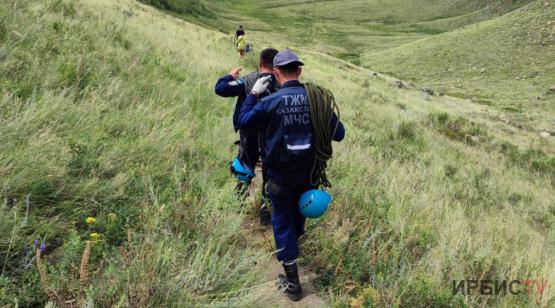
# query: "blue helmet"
[242,172]
[314,203]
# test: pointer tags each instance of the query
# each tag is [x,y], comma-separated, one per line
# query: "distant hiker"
[249,147]
[241,45]
[240,41]
[290,153]
[239,32]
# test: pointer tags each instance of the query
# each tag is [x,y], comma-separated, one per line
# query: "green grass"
[108,108]
[506,62]
[356,26]
[100,116]
[347,26]
[499,53]
[192,8]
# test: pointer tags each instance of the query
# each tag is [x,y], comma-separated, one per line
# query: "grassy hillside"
[350,28]
[508,62]
[108,111]
[480,50]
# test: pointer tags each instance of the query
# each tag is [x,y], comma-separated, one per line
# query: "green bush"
[424,292]
[191,7]
[530,159]
[3,31]
[458,128]
[65,7]
[407,130]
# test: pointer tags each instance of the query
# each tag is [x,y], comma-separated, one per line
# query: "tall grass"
[103,117]
[417,205]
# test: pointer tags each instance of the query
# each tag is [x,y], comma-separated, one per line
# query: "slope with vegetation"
[507,62]
[108,111]
[499,53]
[350,28]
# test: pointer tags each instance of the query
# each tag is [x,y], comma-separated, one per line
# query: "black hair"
[290,69]
[267,57]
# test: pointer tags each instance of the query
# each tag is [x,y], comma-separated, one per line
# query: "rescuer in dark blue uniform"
[232,85]
[288,155]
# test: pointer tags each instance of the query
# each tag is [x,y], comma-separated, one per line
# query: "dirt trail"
[262,237]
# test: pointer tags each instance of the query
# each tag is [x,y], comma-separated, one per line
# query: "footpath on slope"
[262,238]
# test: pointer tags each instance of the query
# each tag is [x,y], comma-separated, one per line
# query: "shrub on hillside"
[457,128]
[531,159]
[424,292]
[191,7]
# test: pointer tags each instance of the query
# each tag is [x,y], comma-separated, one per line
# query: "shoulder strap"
[274,88]
[250,80]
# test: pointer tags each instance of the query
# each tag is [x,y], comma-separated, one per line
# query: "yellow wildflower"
[112,217]
[91,220]
[95,236]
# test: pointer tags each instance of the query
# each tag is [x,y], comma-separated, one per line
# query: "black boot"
[290,283]
[242,189]
[264,214]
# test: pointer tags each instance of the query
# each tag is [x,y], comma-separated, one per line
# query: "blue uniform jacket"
[285,118]
[229,87]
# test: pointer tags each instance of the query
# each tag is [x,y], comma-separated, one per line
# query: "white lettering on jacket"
[298,147]
[295,110]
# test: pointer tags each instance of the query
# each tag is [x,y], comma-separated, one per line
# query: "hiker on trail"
[239,32]
[249,147]
[241,45]
[293,120]
[240,41]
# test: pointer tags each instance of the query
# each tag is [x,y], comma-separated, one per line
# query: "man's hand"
[235,72]
[261,85]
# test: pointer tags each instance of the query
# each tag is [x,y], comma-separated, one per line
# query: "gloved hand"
[261,85]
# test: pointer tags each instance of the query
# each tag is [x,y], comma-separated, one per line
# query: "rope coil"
[322,106]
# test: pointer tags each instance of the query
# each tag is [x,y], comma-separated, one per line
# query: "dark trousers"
[249,148]
[287,221]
